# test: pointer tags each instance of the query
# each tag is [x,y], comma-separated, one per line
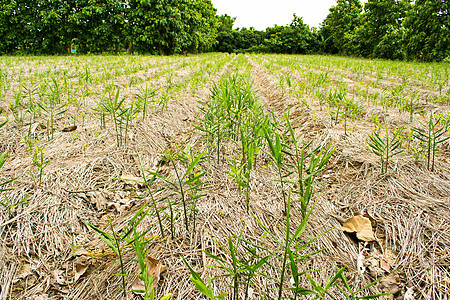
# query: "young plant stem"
[182,192]
[431,137]
[286,245]
[119,253]
[148,183]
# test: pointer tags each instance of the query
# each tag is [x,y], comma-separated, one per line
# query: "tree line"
[148,26]
[390,29]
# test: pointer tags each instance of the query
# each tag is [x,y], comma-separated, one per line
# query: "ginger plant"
[430,137]
[386,147]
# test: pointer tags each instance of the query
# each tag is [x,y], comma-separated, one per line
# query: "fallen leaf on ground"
[373,265]
[391,284]
[361,226]
[35,126]
[123,205]
[24,271]
[385,265]
[154,268]
[372,220]
[70,128]
[80,269]
[98,199]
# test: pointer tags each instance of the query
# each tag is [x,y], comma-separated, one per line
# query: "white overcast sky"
[265,13]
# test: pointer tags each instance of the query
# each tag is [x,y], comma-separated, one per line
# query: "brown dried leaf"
[391,284]
[70,128]
[372,220]
[24,271]
[138,285]
[97,198]
[373,266]
[154,268]
[385,265]
[361,226]
[121,204]
[117,206]
[80,269]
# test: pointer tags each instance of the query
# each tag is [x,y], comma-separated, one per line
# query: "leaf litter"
[154,270]
[360,225]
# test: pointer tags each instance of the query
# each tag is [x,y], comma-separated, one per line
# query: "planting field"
[259,176]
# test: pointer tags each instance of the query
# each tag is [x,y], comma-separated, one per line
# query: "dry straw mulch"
[42,245]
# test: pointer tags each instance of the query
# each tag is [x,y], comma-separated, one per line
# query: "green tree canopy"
[97,25]
[226,23]
[427,30]
[380,33]
[340,24]
[161,26]
[297,38]
[172,26]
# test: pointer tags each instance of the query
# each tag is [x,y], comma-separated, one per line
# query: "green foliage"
[341,283]
[115,241]
[380,33]
[239,40]
[279,151]
[186,184]
[40,163]
[340,23]
[410,105]
[121,115]
[148,183]
[229,101]
[295,38]
[431,136]
[427,30]
[306,172]
[226,23]
[37,28]
[156,26]
[390,29]
[97,25]
[205,289]
[291,250]
[145,96]
[242,267]
[172,26]
[7,203]
[52,109]
[391,46]
[139,245]
[386,147]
